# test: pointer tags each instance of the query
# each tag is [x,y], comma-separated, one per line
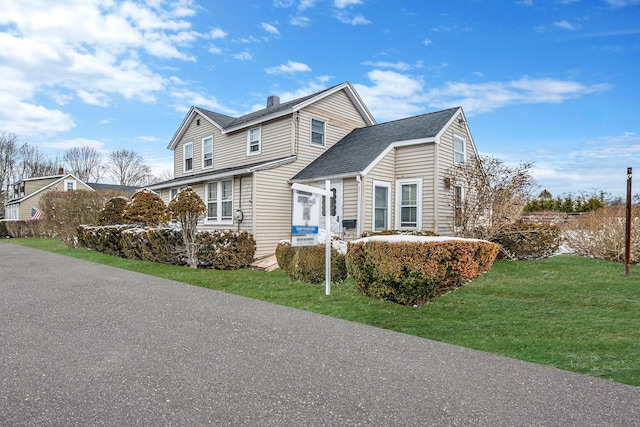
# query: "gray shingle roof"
[358,149]
[228,122]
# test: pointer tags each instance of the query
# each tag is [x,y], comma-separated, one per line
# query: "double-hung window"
[187,150]
[459,143]
[409,203]
[69,185]
[381,197]
[253,142]
[220,201]
[207,152]
[317,133]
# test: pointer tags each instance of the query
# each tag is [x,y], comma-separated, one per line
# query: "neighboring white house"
[384,176]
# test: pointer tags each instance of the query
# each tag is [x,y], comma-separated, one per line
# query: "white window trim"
[259,151]
[184,157]
[69,181]
[218,220]
[464,149]
[399,184]
[387,185]
[203,153]
[324,132]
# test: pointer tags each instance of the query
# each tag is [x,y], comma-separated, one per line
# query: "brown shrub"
[307,263]
[64,211]
[522,240]
[601,234]
[412,273]
[145,208]
[112,212]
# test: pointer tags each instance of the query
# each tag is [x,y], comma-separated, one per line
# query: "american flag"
[36,213]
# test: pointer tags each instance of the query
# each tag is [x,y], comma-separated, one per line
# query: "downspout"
[436,189]
[358,207]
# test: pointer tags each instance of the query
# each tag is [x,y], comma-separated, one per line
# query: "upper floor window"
[69,185]
[188,156]
[253,141]
[317,132]
[459,143]
[220,201]
[207,152]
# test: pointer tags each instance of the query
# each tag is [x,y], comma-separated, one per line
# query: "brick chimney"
[273,101]
[60,171]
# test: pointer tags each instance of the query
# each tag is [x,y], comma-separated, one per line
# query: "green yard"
[573,313]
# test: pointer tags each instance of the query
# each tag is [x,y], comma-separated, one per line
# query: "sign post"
[306,221]
[627,249]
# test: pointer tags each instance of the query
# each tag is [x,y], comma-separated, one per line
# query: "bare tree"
[8,160]
[487,195]
[126,167]
[34,164]
[84,162]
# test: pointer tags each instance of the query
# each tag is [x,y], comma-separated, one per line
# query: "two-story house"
[383,176]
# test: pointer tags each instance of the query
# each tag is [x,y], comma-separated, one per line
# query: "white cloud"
[566,25]
[400,66]
[86,50]
[341,4]
[217,33]
[66,144]
[393,95]
[289,68]
[622,3]
[270,28]
[300,21]
[306,4]
[427,42]
[484,97]
[358,19]
[243,56]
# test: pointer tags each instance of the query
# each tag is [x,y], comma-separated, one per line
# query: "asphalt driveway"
[85,344]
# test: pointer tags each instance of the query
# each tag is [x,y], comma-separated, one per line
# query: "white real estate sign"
[306,218]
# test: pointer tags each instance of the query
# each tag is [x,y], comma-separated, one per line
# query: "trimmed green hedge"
[412,273]
[307,263]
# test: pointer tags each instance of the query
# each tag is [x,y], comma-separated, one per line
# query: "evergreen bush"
[307,263]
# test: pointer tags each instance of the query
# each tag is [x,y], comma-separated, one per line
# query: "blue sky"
[552,82]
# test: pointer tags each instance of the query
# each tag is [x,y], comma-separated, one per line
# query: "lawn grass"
[574,313]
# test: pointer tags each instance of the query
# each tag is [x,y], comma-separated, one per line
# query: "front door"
[335,207]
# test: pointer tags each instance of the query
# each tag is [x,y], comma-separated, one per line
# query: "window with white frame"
[207,152]
[409,204]
[253,141]
[187,150]
[381,202]
[220,201]
[458,200]
[69,185]
[459,154]
[317,132]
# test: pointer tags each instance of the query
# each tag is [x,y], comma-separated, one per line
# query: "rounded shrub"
[413,272]
[307,263]
[522,240]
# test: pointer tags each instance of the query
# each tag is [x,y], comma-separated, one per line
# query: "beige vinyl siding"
[349,206]
[272,202]
[31,186]
[384,172]
[340,117]
[445,162]
[417,161]
[34,201]
[275,143]
[195,133]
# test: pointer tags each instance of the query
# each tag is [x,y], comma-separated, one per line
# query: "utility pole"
[627,249]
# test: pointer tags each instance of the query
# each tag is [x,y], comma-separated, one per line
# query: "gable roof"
[228,124]
[360,148]
[51,184]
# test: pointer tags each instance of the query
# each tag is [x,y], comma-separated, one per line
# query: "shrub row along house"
[383,176]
